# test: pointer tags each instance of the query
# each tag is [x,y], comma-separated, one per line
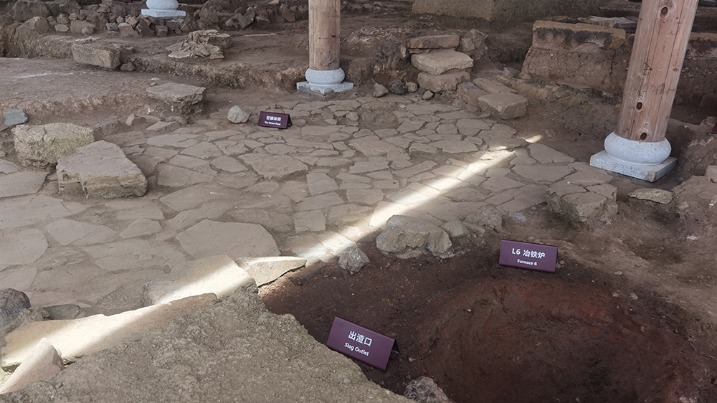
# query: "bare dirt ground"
[630,315]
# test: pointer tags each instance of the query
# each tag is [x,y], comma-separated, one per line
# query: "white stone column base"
[648,161]
[163,13]
[324,89]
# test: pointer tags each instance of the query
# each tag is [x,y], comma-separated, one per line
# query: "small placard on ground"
[275,120]
[361,343]
[530,256]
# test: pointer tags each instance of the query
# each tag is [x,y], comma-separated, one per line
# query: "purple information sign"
[360,343]
[276,120]
[531,256]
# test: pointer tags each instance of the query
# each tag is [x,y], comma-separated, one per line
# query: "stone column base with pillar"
[163,9]
[325,81]
[648,161]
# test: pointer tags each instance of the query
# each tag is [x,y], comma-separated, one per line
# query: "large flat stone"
[441,61]
[96,55]
[22,248]
[177,93]
[208,238]
[67,232]
[265,270]
[274,166]
[504,105]
[42,363]
[43,145]
[442,82]
[21,183]
[100,169]
[218,275]
[30,210]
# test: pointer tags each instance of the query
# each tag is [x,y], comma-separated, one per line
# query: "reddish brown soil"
[494,334]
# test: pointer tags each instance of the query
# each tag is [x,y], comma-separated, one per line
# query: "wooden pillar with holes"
[638,146]
[663,32]
[324,34]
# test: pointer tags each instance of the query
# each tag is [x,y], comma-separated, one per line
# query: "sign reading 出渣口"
[530,256]
[361,343]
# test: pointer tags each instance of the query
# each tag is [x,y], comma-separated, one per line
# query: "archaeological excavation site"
[358,201]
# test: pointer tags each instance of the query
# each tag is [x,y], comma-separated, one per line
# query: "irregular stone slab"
[196,195]
[492,86]
[21,183]
[209,238]
[274,221]
[77,338]
[320,183]
[229,164]
[441,61]
[578,206]
[204,149]
[141,227]
[368,166]
[180,97]
[103,56]
[353,259]
[218,275]
[456,230]
[319,202]
[100,169]
[547,155]
[30,210]
[408,236]
[654,195]
[265,270]
[450,41]
[42,363]
[488,217]
[12,303]
[22,248]
[174,177]
[67,232]
[504,105]
[372,147]
[274,166]
[543,173]
[364,196]
[455,147]
[442,82]
[7,167]
[134,254]
[215,341]
[43,145]
[309,221]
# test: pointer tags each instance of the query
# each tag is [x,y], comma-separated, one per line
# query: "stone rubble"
[425,390]
[43,145]
[651,194]
[353,259]
[206,43]
[408,237]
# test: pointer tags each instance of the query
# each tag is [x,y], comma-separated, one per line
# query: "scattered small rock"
[427,95]
[409,236]
[456,230]
[353,259]
[12,303]
[13,117]
[129,66]
[207,43]
[397,87]
[425,390]
[411,87]
[654,195]
[61,312]
[711,173]
[238,115]
[379,90]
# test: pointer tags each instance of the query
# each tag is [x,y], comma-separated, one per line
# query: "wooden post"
[324,34]
[663,31]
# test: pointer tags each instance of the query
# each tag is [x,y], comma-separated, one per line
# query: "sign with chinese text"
[360,343]
[275,120]
[531,256]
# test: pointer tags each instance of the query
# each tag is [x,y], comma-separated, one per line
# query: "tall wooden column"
[324,34]
[638,147]
[324,74]
[663,32]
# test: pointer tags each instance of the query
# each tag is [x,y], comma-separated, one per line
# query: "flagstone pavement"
[330,180]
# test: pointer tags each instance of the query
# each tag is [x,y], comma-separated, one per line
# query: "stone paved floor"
[333,178]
